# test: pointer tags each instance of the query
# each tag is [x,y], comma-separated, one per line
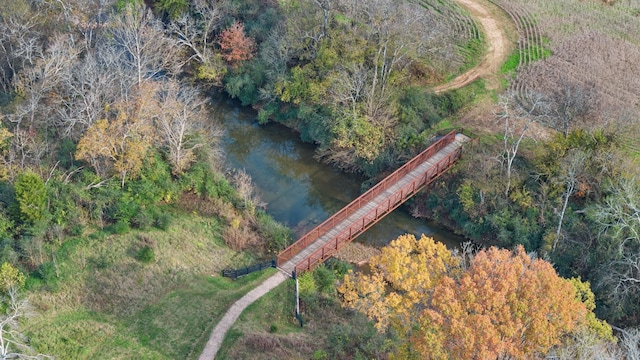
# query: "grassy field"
[97,299]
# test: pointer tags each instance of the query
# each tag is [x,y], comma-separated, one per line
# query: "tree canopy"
[505,304]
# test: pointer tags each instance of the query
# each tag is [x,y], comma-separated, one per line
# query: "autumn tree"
[118,144]
[236,46]
[402,278]
[504,305]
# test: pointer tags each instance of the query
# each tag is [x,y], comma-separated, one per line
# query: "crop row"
[446,10]
[530,44]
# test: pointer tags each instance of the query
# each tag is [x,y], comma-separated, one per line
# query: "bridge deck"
[367,214]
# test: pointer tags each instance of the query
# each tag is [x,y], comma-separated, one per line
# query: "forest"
[114,192]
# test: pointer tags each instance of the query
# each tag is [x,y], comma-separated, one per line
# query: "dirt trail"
[218,333]
[498,48]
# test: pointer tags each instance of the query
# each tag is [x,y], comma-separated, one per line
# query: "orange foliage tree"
[504,305]
[235,45]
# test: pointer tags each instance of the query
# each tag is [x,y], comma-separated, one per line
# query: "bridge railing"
[356,204]
[372,217]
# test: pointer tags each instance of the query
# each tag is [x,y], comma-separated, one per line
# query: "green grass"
[534,54]
[97,301]
[511,64]
[472,51]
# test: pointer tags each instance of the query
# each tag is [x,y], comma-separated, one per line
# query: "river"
[299,191]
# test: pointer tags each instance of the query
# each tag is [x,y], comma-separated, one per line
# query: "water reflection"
[299,191]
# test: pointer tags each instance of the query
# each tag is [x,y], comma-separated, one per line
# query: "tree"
[236,46]
[13,344]
[31,196]
[172,7]
[516,111]
[504,305]
[119,144]
[147,51]
[410,270]
[182,114]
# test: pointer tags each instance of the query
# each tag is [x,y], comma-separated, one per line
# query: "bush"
[120,227]
[31,196]
[76,230]
[162,221]
[324,279]
[47,272]
[202,180]
[277,236]
[126,208]
[146,255]
[142,220]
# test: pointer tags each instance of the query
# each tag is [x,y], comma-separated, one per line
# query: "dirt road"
[498,48]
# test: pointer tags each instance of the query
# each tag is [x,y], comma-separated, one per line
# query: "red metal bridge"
[327,238]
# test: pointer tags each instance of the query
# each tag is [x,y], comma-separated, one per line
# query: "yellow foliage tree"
[10,277]
[504,305]
[402,277]
[119,144]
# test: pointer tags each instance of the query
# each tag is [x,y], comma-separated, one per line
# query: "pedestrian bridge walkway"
[326,239]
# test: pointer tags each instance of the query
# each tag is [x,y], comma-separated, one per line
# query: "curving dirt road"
[498,48]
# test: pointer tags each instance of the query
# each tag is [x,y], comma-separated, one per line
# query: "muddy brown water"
[299,191]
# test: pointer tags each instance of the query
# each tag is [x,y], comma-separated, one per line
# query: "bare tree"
[572,102]
[181,115]
[573,165]
[325,5]
[19,46]
[515,113]
[244,185]
[143,44]
[85,90]
[44,76]
[619,215]
[630,343]
[13,344]
[619,218]
[195,31]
